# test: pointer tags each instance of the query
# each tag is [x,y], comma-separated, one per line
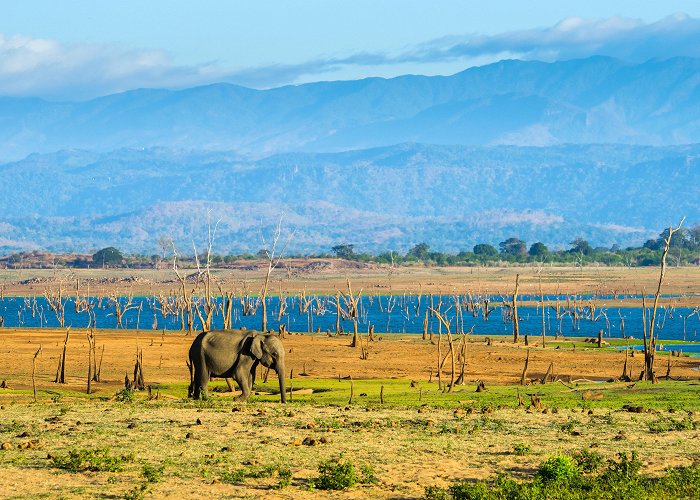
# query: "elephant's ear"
[256,346]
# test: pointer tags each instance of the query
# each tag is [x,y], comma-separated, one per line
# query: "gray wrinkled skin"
[234,354]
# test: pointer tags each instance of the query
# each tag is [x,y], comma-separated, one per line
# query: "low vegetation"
[565,477]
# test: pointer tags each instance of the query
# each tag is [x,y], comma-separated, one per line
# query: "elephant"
[234,354]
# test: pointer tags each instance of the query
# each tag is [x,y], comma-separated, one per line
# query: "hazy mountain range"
[385,198]
[597,148]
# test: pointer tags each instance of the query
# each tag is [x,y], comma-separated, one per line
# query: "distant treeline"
[684,250]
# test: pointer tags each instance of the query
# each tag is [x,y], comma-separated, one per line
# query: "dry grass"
[372,279]
[408,449]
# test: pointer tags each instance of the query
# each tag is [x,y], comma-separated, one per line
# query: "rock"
[189,435]
[295,442]
[309,441]
[25,434]
[310,425]
[199,421]
[6,446]
[132,425]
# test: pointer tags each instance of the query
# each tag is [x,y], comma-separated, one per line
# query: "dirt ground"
[199,445]
[326,276]
[390,356]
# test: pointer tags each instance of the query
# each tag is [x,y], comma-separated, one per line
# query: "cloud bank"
[50,69]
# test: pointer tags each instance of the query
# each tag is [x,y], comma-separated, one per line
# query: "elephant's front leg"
[242,377]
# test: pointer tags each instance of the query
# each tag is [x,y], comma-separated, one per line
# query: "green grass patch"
[90,459]
[565,477]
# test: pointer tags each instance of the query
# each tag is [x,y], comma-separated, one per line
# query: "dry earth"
[328,276]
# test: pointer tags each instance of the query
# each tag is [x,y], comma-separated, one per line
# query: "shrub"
[557,468]
[521,449]
[335,475]
[91,459]
[153,473]
[588,461]
[124,396]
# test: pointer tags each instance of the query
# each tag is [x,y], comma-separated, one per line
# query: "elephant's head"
[268,349]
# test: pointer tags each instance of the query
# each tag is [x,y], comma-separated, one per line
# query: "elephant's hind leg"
[201,382]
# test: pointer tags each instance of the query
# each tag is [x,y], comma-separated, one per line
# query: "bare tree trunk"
[516,326]
[61,371]
[650,350]
[523,377]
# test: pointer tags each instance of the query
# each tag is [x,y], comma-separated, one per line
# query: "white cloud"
[48,68]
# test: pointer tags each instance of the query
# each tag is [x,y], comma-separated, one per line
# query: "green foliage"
[521,449]
[138,492]
[619,479]
[153,473]
[283,473]
[538,250]
[436,493]
[513,246]
[558,468]
[285,476]
[124,396]
[107,257]
[368,476]
[588,461]
[485,250]
[344,251]
[335,474]
[669,424]
[90,459]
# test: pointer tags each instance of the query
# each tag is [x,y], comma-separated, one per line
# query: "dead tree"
[34,371]
[446,323]
[650,345]
[185,307]
[273,259]
[204,277]
[351,311]
[523,377]
[61,370]
[516,326]
[57,303]
[138,383]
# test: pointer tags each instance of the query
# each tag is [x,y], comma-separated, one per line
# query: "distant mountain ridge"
[451,197]
[593,100]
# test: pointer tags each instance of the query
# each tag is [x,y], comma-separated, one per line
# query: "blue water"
[399,314]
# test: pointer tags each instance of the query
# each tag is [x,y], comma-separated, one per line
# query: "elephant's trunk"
[280,376]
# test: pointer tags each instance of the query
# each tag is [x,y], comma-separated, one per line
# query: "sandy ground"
[390,356]
[328,275]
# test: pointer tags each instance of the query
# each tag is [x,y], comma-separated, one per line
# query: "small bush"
[626,468]
[233,477]
[557,468]
[669,424]
[436,493]
[153,473]
[285,477]
[588,461]
[125,396]
[138,492]
[521,449]
[91,459]
[368,475]
[335,475]
[240,475]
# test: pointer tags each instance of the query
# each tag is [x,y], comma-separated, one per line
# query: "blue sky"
[81,49]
